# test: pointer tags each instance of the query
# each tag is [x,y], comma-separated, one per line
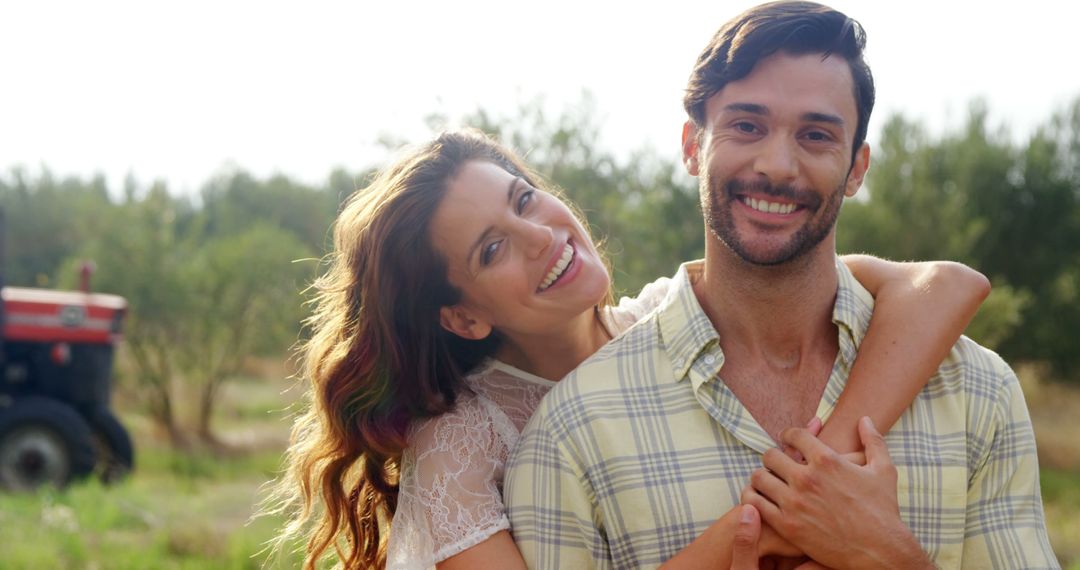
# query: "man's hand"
[842,515]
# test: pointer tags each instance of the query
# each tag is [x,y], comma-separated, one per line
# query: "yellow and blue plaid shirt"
[635,453]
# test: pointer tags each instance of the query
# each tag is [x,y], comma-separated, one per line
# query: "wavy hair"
[377,357]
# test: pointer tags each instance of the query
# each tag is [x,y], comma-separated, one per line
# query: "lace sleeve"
[450,489]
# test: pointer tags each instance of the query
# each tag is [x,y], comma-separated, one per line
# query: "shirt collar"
[851,313]
[685,329]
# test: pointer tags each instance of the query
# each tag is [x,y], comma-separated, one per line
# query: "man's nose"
[777,160]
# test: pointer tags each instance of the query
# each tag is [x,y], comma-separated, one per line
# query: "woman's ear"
[463,323]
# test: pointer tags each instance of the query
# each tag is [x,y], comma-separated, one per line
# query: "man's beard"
[719,218]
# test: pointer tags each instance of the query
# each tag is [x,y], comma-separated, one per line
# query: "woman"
[459,291]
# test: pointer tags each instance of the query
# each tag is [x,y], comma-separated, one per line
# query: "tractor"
[56,360]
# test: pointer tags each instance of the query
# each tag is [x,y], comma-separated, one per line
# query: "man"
[634,454]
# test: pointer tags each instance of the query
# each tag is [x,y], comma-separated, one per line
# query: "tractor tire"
[117,455]
[43,442]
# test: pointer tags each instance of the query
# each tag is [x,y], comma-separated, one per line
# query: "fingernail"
[747,514]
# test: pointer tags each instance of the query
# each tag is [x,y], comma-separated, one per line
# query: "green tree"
[243,295]
[142,257]
[46,220]
[1010,210]
[234,202]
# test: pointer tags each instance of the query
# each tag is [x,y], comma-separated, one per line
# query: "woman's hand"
[744,547]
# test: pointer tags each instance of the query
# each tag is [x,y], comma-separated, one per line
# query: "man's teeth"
[768,207]
[560,266]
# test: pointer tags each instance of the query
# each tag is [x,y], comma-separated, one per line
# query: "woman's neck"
[553,355]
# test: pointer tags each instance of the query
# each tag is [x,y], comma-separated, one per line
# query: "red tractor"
[56,359]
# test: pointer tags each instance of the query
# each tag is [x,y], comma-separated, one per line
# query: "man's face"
[774,156]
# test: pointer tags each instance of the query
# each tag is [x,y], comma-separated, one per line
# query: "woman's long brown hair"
[377,357]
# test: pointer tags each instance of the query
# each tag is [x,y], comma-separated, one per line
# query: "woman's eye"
[524,200]
[489,252]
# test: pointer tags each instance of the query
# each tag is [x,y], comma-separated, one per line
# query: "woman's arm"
[920,311]
[498,552]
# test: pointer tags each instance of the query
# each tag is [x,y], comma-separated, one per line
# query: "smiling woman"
[449,279]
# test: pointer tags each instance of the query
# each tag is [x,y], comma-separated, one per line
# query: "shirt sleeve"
[1006,527]
[549,501]
[449,495]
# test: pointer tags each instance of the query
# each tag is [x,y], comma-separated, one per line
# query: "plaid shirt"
[635,453]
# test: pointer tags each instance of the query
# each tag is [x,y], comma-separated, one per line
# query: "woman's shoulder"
[632,309]
[470,414]
[449,496]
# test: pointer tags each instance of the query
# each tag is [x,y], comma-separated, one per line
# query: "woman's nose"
[536,237]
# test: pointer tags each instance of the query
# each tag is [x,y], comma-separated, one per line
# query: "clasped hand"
[830,508]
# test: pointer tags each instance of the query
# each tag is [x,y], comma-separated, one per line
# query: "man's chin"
[764,253]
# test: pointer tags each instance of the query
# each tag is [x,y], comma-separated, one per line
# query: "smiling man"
[668,428]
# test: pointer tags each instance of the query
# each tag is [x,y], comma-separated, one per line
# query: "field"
[194,509]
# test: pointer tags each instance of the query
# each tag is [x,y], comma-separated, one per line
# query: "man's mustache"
[803,197]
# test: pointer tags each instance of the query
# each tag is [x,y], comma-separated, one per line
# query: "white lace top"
[450,494]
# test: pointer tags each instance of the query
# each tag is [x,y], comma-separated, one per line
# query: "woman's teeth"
[560,266]
[768,207]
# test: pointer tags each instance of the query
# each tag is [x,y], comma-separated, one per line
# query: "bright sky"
[179,90]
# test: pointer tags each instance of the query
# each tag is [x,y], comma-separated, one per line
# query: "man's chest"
[667,476]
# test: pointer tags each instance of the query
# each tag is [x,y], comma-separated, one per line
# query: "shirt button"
[710,359]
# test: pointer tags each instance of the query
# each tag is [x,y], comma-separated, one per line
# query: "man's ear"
[690,147]
[463,323]
[858,170]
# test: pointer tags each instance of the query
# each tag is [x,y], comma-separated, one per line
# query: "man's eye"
[818,136]
[524,200]
[746,127]
[489,252]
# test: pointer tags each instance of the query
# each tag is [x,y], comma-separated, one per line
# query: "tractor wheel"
[43,441]
[117,454]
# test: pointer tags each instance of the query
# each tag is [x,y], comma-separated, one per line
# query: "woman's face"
[523,262]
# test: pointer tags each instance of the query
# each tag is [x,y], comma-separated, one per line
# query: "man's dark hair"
[796,28]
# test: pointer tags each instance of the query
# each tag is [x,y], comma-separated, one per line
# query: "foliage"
[242,295]
[1008,210]
[207,286]
[45,220]
[142,258]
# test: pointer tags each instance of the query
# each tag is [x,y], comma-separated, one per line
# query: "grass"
[191,510]
[177,512]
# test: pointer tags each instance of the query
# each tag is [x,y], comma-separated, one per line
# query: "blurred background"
[197,154]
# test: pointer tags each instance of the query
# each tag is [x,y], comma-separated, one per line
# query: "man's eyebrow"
[811,117]
[823,118]
[752,108]
[483,236]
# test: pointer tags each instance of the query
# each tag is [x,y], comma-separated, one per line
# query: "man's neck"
[781,307]
[776,330]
